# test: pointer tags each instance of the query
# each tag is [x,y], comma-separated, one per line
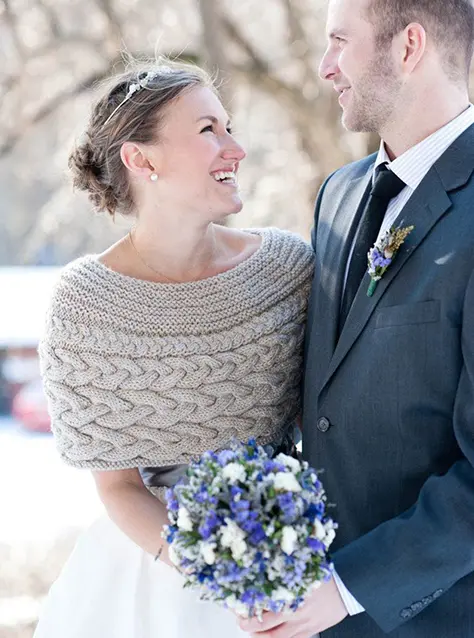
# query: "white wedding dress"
[111,588]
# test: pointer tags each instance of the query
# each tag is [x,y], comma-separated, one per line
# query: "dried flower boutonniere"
[383,253]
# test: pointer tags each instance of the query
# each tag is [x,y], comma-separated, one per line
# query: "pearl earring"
[154,177]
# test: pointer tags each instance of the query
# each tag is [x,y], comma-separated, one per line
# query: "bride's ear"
[136,159]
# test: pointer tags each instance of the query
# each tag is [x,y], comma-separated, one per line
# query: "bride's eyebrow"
[213,119]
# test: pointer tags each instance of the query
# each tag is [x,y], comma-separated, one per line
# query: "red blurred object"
[30,408]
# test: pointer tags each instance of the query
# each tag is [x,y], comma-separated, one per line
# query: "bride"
[180,337]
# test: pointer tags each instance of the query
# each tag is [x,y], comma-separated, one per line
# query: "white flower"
[289,461]
[289,540]
[287,482]
[240,608]
[184,520]
[208,553]
[319,531]
[283,594]
[331,535]
[270,529]
[234,472]
[238,549]
[173,556]
[233,537]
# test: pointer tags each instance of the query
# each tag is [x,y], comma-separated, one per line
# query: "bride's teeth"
[222,175]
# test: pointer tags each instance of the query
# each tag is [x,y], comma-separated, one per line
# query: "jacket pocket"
[408,314]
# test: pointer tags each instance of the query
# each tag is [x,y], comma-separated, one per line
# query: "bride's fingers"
[256,626]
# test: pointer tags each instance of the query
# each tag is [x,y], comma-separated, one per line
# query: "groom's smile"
[343,93]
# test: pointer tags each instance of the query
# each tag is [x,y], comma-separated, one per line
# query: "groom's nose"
[329,67]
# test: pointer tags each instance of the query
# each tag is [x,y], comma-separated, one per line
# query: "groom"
[389,378]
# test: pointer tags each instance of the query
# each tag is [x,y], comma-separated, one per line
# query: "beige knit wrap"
[139,373]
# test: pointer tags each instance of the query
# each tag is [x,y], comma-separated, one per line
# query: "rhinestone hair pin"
[142,83]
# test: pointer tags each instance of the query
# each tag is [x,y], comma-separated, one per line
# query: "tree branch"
[10,19]
[46,110]
[212,41]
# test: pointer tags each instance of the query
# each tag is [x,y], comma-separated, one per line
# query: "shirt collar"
[414,164]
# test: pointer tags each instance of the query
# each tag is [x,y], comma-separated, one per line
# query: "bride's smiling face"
[364,77]
[197,157]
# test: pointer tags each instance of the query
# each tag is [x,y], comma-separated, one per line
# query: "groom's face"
[364,78]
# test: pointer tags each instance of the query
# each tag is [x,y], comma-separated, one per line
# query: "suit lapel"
[427,205]
[334,239]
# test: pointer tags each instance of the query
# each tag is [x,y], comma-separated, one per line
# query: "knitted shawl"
[139,373]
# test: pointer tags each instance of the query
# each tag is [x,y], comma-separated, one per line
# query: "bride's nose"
[233,150]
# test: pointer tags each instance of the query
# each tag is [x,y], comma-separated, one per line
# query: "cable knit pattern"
[140,373]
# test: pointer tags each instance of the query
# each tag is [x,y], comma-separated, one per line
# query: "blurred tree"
[53,53]
[215,56]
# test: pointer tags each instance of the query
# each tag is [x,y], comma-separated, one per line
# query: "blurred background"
[52,53]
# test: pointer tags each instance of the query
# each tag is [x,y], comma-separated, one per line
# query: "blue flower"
[230,572]
[205,574]
[288,507]
[272,466]
[251,596]
[207,456]
[172,531]
[171,500]
[210,523]
[235,491]
[202,495]
[225,457]
[312,512]
[262,566]
[275,606]
[315,545]
[381,261]
[257,536]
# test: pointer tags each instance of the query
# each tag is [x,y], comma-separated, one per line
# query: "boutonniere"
[383,253]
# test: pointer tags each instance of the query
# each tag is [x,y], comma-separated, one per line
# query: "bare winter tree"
[213,45]
[53,54]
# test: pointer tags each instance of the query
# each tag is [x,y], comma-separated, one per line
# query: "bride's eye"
[207,128]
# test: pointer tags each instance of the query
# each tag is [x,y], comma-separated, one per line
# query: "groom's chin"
[353,125]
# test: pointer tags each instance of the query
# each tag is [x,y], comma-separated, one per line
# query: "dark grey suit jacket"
[389,407]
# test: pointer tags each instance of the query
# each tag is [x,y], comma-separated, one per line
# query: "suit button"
[323,424]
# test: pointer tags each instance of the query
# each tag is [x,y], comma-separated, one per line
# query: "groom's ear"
[412,46]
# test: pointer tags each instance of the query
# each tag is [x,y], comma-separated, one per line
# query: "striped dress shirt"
[411,167]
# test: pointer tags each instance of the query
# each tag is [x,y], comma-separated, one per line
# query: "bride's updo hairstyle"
[130,110]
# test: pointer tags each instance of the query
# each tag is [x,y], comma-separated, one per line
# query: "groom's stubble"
[375,96]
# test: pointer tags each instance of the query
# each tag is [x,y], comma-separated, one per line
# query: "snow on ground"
[40,497]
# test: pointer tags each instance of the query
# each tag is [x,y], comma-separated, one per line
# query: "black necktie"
[386,186]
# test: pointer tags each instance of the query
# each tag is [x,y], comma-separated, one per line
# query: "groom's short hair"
[450,23]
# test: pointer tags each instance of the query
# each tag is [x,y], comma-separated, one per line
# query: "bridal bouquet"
[250,532]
